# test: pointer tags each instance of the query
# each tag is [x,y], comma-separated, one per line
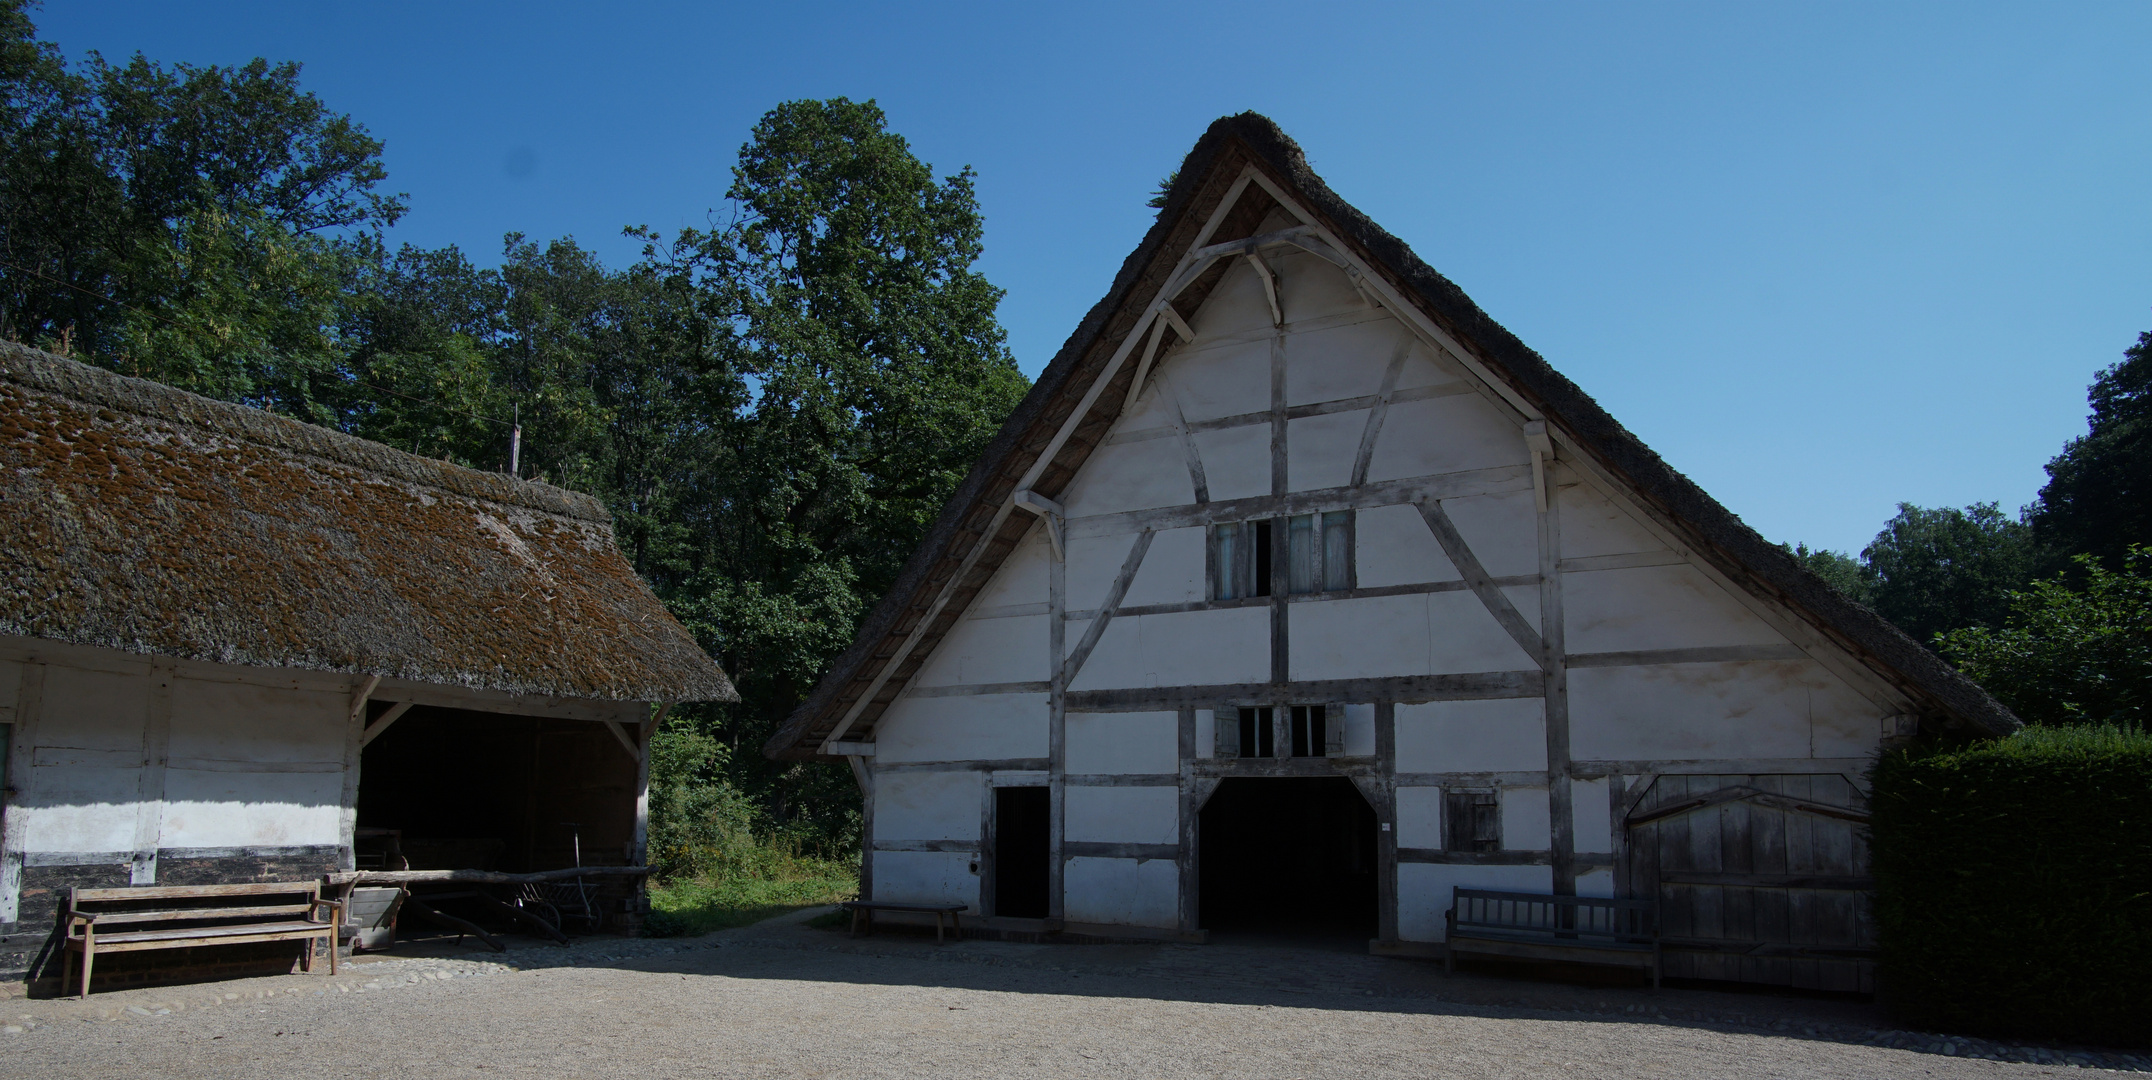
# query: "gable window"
[1292,731]
[1318,555]
[1474,821]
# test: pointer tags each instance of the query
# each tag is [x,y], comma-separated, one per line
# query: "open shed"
[235,648]
[1299,592]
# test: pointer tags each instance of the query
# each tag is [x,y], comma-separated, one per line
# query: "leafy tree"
[843,291]
[2070,655]
[225,196]
[2098,498]
[1841,570]
[1932,570]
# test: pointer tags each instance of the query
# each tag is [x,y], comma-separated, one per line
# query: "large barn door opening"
[1289,856]
[447,789]
[1023,850]
[1759,878]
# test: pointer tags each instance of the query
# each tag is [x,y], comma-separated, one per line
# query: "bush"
[2014,884]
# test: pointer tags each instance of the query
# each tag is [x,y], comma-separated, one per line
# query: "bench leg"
[332,955]
[306,956]
[862,922]
[67,968]
[956,925]
[938,928]
[89,956]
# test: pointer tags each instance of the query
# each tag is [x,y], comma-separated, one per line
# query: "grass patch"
[737,896]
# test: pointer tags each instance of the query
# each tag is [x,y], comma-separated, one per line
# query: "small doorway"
[1023,819]
[1289,855]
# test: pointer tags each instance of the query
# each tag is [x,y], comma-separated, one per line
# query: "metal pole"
[515,445]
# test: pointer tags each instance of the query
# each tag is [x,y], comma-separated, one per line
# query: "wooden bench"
[181,916]
[1530,926]
[863,915]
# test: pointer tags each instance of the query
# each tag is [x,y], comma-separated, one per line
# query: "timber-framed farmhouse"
[1298,592]
[237,648]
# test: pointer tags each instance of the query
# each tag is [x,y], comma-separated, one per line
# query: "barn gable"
[1289,509]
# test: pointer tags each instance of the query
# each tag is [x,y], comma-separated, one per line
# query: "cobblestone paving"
[783,1000]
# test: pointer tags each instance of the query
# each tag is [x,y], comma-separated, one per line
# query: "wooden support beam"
[1143,366]
[1455,485]
[1270,286]
[373,731]
[359,695]
[1097,629]
[626,743]
[1048,511]
[1476,686]
[1475,575]
[1179,325]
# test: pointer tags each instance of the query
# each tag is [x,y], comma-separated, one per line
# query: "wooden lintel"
[1478,686]
[1454,485]
[1092,849]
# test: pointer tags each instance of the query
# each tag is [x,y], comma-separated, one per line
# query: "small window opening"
[1318,552]
[1311,737]
[1474,820]
[1257,739]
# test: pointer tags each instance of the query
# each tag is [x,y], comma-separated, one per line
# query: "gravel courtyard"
[784,1000]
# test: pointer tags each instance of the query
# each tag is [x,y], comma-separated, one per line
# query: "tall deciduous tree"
[2098,498]
[183,222]
[844,290]
[1932,570]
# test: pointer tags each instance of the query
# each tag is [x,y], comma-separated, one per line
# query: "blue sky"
[1823,257]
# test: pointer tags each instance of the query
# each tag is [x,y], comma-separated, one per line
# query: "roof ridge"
[36,369]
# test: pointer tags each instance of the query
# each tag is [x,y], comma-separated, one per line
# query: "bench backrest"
[1588,917]
[168,904]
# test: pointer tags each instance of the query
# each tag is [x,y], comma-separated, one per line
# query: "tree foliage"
[1932,570]
[2070,654]
[774,408]
[2098,498]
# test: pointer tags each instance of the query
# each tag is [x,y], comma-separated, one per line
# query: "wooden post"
[149,786]
[1189,862]
[1386,838]
[1056,737]
[354,747]
[22,744]
[1561,808]
[639,845]
[864,777]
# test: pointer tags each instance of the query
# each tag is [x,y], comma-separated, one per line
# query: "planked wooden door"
[1759,878]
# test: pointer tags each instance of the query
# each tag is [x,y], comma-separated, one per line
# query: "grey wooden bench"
[183,916]
[863,915]
[1531,926]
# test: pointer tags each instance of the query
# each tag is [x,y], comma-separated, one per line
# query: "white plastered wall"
[1624,592]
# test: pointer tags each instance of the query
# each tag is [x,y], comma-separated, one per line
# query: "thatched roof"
[1944,697]
[139,517]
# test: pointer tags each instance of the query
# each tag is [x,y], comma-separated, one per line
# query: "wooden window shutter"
[1473,821]
[1226,742]
[1333,729]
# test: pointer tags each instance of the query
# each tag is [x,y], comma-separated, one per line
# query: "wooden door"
[1759,878]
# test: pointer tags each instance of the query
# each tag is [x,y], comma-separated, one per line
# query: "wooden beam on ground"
[478,877]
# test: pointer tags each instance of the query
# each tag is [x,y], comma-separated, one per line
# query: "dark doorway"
[1022,820]
[1289,855]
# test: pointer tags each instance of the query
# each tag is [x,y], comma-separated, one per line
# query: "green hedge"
[2014,885]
